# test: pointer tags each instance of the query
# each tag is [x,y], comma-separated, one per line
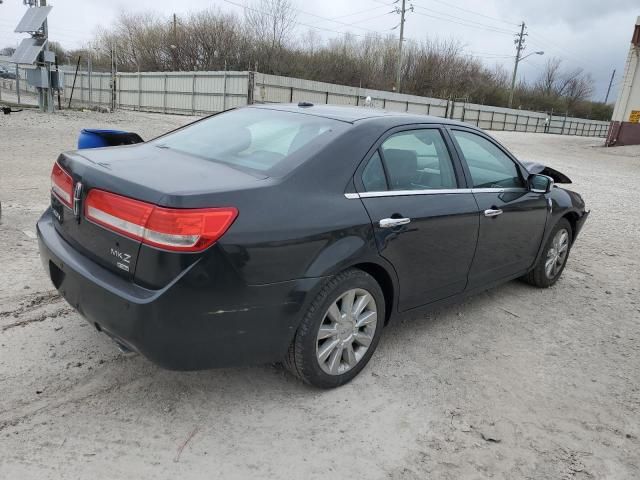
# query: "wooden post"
[164,94]
[193,94]
[72,86]
[224,88]
[139,91]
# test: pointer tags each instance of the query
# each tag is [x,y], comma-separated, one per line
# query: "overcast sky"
[592,34]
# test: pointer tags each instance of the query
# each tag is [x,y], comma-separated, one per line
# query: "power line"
[367,19]
[476,13]
[373,18]
[496,54]
[366,10]
[538,39]
[332,20]
[473,22]
[295,21]
[488,56]
[503,32]
[463,22]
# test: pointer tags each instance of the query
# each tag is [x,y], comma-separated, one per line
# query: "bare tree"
[211,40]
[578,87]
[547,83]
[271,21]
[570,86]
[7,51]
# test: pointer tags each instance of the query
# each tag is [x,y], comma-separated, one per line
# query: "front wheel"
[339,331]
[553,258]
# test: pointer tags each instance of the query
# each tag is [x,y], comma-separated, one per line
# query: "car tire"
[552,261]
[307,357]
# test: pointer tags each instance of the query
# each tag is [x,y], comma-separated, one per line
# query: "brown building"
[625,124]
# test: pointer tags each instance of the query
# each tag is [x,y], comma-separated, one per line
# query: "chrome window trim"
[445,191]
[499,190]
[352,196]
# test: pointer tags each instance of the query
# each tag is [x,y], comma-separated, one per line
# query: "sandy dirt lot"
[515,383]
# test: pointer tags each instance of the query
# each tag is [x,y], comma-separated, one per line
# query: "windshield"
[258,139]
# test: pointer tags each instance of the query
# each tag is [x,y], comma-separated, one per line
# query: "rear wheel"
[553,258]
[339,332]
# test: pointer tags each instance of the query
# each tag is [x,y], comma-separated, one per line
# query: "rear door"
[512,218]
[424,224]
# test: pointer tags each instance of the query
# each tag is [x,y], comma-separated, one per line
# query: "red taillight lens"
[186,230]
[61,184]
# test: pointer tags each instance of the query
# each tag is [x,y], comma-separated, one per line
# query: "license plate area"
[57,208]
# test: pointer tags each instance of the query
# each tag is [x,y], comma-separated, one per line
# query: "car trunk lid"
[142,172]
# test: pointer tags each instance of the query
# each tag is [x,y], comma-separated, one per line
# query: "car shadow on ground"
[401,339]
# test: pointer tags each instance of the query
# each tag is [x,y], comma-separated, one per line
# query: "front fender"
[563,203]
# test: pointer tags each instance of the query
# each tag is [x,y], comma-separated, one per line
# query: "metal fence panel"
[210,92]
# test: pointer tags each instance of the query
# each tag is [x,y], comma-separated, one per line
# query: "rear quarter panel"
[303,226]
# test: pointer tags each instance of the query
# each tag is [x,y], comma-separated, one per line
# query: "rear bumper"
[187,325]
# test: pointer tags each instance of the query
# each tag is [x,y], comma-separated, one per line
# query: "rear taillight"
[185,230]
[61,184]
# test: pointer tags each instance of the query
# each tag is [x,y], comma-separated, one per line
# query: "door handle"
[492,212]
[393,222]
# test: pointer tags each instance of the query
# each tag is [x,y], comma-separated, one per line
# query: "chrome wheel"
[557,253]
[346,331]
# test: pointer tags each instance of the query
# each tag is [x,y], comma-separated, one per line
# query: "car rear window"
[257,139]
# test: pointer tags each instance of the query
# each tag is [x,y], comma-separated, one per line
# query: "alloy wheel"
[557,253]
[346,331]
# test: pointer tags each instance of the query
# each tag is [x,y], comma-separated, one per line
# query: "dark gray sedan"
[295,233]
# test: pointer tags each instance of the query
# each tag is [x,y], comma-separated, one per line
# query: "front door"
[424,224]
[512,218]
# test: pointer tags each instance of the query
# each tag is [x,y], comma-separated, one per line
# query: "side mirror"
[539,183]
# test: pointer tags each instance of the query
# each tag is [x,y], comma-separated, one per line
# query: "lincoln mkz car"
[295,233]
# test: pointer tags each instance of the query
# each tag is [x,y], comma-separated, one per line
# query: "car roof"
[353,114]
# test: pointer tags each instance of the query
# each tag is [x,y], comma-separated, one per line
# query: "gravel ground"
[513,383]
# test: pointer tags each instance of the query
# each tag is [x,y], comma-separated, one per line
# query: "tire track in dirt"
[35,308]
[68,397]
[32,302]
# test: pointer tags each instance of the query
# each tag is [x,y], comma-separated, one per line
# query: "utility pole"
[606,99]
[402,11]
[398,74]
[519,47]
[46,94]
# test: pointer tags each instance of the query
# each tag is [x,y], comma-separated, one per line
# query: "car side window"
[489,166]
[418,160]
[373,177]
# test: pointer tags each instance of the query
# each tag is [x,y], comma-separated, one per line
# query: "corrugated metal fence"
[188,93]
[194,93]
[276,89]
